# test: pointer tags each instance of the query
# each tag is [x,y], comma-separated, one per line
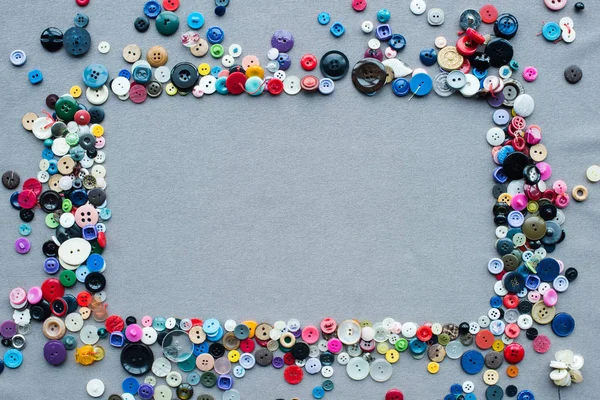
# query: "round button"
[334,65]
[368,75]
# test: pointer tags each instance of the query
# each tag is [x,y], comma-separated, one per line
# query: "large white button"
[358,368]
[161,367]
[97,96]
[162,392]
[381,370]
[349,332]
[120,86]
[89,334]
[95,388]
[74,322]
[291,85]
[207,84]
[74,251]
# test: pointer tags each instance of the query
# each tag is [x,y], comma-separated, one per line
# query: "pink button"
[559,187]
[551,298]
[334,345]
[541,344]
[310,334]
[530,73]
[519,202]
[27,199]
[147,321]
[100,142]
[555,5]
[545,170]
[367,345]
[18,296]
[197,91]
[86,215]
[224,73]
[133,333]
[359,5]
[328,326]
[534,296]
[512,331]
[35,295]
[533,135]
[562,265]
[562,200]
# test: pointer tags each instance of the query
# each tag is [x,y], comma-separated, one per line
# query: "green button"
[51,222]
[217,50]
[103,333]
[65,108]
[328,385]
[72,139]
[96,249]
[70,342]
[208,379]
[365,324]
[187,365]
[67,278]
[444,339]
[67,205]
[167,23]
[401,345]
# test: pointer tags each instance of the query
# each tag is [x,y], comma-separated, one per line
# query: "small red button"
[114,323]
[84,299]
[289,359]
[484,339]
[275,86]
[394,394]
[308,62]
[293,374]
[489,14]
[236,83]
[171,5]
[359,5]
[247,345]
[511,301]
[424,333]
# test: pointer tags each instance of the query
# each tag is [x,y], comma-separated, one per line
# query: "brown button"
[200,48]
[538,153]
[542,314]
[368,75]
[54,328]
[436,353]
[53,183]
[534,228]
[230,342]
[493,360]
[65,165]
[28,120]
[157,56]
[449,59]
[389,74]
[511,262]
[205,362]
[310,83]
[132,53]
[197,335]
[11,180]
[451,330]
[262,332]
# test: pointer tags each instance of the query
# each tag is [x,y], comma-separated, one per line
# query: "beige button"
[542,314]
[28,120]
[436,353]
[490,377]
[538,152]
[592,173]
[54,328]
[85,312]
[262,331]
[132,53]
[534,228]
[200,48]
[197,335]
[273,345]
[580,193]
[389,74]
[287,340]
[230,342]
[449,59]
[53,183]
[157,56]
[205,362]
[65,165]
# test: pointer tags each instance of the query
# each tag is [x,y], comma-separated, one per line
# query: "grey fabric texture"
[312,206]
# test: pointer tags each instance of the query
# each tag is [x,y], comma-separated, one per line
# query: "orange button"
[484,339]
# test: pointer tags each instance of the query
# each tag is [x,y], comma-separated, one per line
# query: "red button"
[308,62]
[102,239]
[511,301]
[475,36]
[82,3]
[170,5]
[27,199]
[289,359]
[52,289]
[137,93]
[465,47]
[84,299]
[359,5]
[394,394]
[197,322]
[247,345]
[34,185]
[293,374]
[484,339]
[489,14]
[114,323]
[236,83]
[466,67]
[514,353]
[82,117]
[424,333]
[310,83]
[275,86]
[261,343]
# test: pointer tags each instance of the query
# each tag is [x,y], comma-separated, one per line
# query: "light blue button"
[95,75]
[25,229]
[13,358]
[81,272]
[193,378]
[195,20]
[324,18]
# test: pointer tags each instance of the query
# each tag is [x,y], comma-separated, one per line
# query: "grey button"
[11,180]
[493,360]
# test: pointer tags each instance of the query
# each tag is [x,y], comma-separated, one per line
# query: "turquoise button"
[25,229]
[195,20]
[551,31]
[159,324]
[13,358]
[254,86]
[220,85]
[188,365]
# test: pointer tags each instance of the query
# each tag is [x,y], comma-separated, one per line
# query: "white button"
[440,42]
[349,332]
[367,26]
[495,136]
[281,75]
[207,84]
[74,251]
[327,371]
[569,35]
[120,86]
[454,350]
[560,284]
[60,147]
[235,50]
[354,350]
[149,335]
[41,128]
[483,321]
[367,334]
[494,313]
[471,87]
[566,21]
[474,328]
[312,366]
[98,171]
[173,379]
[524,105]
[227,61]
[468,387]
[389,52]
[435,16]
[230,325]
[43,176]
[343,358]
[95,388]
[400,68]
[231,394]
[592,173]
[162,74]
[161,367]
[358,368]
[381,370]
[97,96]
[497,327]
[247,360]
[162,392]
[272,54]
[74,321]
[127,396]
[291,85]
[293,325]
[103,47]
[437,328]
[89,334]
[409,330]
[495,266]
[374,44]
[418,7]
[500,289]
[516,187]
[272,66]
[100,157]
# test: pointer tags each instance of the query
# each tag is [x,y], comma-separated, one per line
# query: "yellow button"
[97,130]
[392,356]
[251,326]
[204,69]
[532,207]
[171,89]
[433,367]
[255,70]
[233,356]
[382,347]
[505,198]
[75,91]
[498,345]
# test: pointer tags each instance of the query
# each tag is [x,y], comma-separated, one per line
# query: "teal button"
[167,23]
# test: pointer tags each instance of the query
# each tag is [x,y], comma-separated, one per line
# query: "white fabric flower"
[566,368]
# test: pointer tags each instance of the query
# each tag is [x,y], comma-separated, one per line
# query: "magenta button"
[22,245]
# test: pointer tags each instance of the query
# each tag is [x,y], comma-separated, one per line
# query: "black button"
[334,65]
[511,391]
[71,303]
[263,357]
[95,282]
[184,76]
[59,306]
[141,24]
[40,311]
[571,274]
[498,189]
[161,337]
[514,282]
[466,339]
[514,164]
[77,41]
[63,234]
[59,129]
[500,52]
[50,249]
[96,114]
[531,333]
[26,215]
[184,391]
[50,201]
[51,100]
[220,11]
[97,196]
[573,74]
[501,208]
[326,358]
[463,327]
[52,39]
[532,174]
[130,320]
[92,153]
[6,342]
[579,6]
[217,350]
[300,351]
[137,359]
[205,397]
[524,306]
[115,397]
[154,89]
[481,61]
[368,75]
[11,180]
[547,211]
[87,141]
[237,68]
[493,360]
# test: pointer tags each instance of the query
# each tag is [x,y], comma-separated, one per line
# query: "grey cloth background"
[309,206]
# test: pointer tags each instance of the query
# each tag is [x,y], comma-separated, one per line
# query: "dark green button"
[328,385]
[208,379]
[205,397]
[67,278]
[167,23]
[65,108]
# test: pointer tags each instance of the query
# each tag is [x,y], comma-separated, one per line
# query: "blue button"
[551,31]
[456,389]
[125,74]
[514,282]
[211,326]
[105,213]
[195,20]
[81,20]
[13,358]
[152,9]
[318,392]
[472,362]
[35,76]
[337,29]
[383,15]
[504,246]
[201,348]
[397,42]
[470,396]
[480,74]
[25,229]
[506,26]
[421,84]
[496,302]
[77,41]
[47,154]
[221,3]
[142,74]
[116,339]
[504,152]
[51,265]
[217,336]
[95,75]
[449,397]
[193,378]
[417,347]
[78,197]
[525,395]
[383,32]
[548,269]
[324,18]
[285,61]
[563,324]
[158,323]
[220,85]
[532,282]
[400,87]
[81,272]
[220,11]
[130,385]
[215,71]
[14,201]
[428,56]
[95,263]
[215,35]
[52,166]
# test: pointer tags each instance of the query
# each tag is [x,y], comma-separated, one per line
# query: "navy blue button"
[78,197]
[548,269]
[496,302]
[125,73]
[563,324]
[220,11]
[14,201]
[285,61]
[532,282]
[472,362]
[525,395]
[95,75]
[506,26]
[81,20]
[141,24]
[421,84]
[324,18]
[449,397]
[397,42]
[400,87]
[77,41]
[456,389]
[428,57]
[152,9]
[96,114]
[215,35]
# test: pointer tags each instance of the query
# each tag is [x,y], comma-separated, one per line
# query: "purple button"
[22,245]
[277,362]
[51,265]
[501,117]
[496,100]
[376,54]
[8,329]
[55,352]
[285,61]
[225,382]
[146,391]
[282,40]
[298,333]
